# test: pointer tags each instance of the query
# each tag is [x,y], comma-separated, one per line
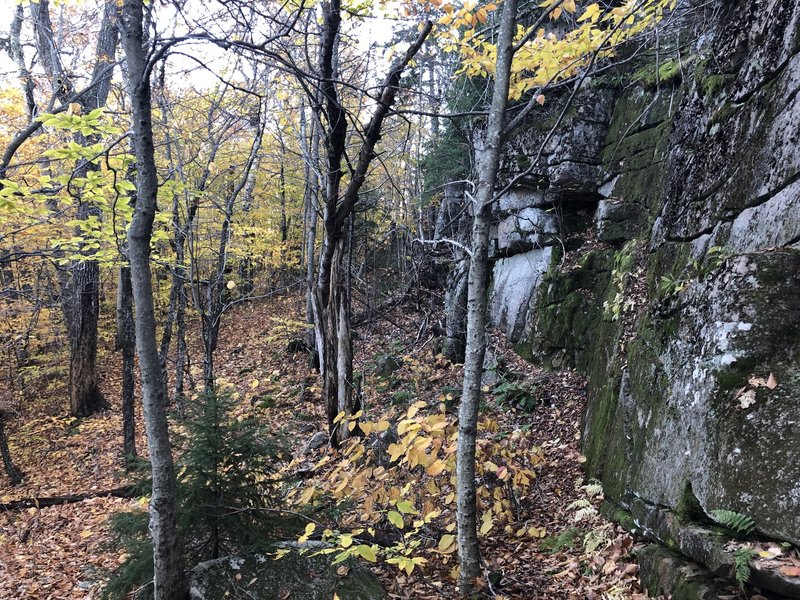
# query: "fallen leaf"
[790,571]
[772,382]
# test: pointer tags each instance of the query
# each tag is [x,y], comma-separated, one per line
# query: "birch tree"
[169,582]
[488,160]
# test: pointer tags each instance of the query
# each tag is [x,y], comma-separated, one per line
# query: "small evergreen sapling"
[223,495]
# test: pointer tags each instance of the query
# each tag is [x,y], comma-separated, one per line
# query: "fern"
[593,489]
[741,563]
[594,539]
[736,522]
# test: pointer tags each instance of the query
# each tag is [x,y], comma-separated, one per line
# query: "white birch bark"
[169,582]
[489,154]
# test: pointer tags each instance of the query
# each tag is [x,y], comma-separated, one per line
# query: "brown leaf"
[790,571]
[772,381]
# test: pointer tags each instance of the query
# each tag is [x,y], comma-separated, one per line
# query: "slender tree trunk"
[312,210]
[169,580]
[337,371]
[180,352]
[489,154]
[126,342]
[16,54]
[14,474]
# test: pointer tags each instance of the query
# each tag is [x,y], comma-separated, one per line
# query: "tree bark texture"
[14,475]
[169,581]
[488,159]
[126,343]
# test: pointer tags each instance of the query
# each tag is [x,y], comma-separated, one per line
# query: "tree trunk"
[14,475]
[180,352]
[16,54]
[312,211]
[337,370]
[169,582]
[84,395]
[332,302]
[81,287]
[488,158]
[126,342]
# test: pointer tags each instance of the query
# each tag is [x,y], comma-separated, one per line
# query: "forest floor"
[59,552]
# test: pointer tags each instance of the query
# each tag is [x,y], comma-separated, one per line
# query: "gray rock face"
[699,408]
[293,576]
[516,280]
[679,330]
[613,220]
[527,229]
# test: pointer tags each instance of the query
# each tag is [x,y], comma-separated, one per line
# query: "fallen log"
[120,492]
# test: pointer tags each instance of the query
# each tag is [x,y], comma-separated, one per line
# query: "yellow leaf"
[395,451]
[345,541]
[254,383]
[231,284]
[447,544]
[367,552]
[437,467]
[486,522]
[591,13]
[86,533]
[414,409]
[395,518]
[537,532]
[338,417]
[569,5]
[310,529]
[305,498]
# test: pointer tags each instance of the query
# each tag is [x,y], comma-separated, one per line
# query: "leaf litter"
[554,545]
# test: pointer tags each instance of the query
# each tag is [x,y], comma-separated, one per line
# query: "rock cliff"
[651,238]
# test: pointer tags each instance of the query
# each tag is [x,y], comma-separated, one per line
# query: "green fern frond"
[741,563]
[737,522]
